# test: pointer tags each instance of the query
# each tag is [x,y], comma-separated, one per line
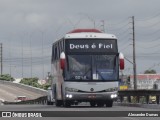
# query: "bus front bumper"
[90,96]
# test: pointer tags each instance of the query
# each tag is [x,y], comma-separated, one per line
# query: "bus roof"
[85,30]
[88,33]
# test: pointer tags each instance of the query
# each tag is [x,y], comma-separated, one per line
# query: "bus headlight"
[69,95]
[71,89]
[113,95]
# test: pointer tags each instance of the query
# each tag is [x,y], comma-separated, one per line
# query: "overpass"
[9,91]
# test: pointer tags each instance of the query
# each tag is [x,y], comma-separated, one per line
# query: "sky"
[29,27]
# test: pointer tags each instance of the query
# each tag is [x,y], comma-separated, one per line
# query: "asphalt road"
[9,93]
[82,108]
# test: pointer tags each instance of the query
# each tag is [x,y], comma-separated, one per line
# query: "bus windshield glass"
[91,67]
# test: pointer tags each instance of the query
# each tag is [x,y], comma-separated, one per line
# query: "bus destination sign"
[96,45]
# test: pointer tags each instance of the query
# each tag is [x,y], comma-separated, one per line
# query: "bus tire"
[48,103]
[92,104]
[109,103]
[58,103]
[100,104]
[66,104]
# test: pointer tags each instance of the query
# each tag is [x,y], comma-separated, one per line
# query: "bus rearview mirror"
[121,61]
[62,60]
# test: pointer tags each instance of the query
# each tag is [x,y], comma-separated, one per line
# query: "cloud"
[31,21]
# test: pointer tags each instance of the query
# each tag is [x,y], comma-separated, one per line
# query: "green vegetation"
[150,72]
[34,82]
[6,77]
[27,81]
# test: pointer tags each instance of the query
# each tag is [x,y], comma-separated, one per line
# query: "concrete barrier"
[26,87]
[40,100]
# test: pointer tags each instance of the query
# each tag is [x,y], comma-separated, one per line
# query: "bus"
[85,68]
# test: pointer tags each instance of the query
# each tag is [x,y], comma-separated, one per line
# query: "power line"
[123,32]
[124,47]
[157,45]
[149,18]
[119,28]
[118,23]
[149,34]
[149,26]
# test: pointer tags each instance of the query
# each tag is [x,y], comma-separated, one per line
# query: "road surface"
[9,93]
[41,108]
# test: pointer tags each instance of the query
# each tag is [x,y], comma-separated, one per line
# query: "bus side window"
[55,53]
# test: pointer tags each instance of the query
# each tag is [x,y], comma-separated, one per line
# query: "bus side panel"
[58,80]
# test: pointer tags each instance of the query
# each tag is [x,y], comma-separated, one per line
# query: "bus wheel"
[58,103]
[109,103]
[92,104]
[66,104]
[48,103]
[100,104]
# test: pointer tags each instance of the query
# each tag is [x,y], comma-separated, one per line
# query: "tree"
[30,81]
[34,82]
[150,71]
[6,77]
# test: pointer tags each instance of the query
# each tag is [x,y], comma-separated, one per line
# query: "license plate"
[92,96]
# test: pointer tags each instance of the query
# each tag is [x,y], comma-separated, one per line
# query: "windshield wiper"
[100,75]
[87,72]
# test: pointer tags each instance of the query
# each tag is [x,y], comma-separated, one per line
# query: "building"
[42,82]
[146,81]
[17,80]
[123,79]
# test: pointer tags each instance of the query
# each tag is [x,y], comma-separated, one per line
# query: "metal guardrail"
[140,92]
[137,94]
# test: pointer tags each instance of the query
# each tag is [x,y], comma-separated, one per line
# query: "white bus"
[85,68]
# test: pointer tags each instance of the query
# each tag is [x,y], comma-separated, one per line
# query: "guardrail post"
[157,99]
[147,99]
[121,99]
[129,99]
[138,99]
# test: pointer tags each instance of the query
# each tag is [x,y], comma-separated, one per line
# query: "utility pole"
[103,26]
[31,55]
[22,58]
[134,57]
[1,58]
[42,56]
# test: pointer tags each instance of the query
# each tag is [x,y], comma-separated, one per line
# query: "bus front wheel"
[109,103]
[58,103]
[92,104]
[100,104]
[66,104]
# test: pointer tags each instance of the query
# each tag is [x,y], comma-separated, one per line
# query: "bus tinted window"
[79,67]
[104,67]
[91,67]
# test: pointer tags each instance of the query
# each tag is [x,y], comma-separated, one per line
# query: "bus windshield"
[91,67]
